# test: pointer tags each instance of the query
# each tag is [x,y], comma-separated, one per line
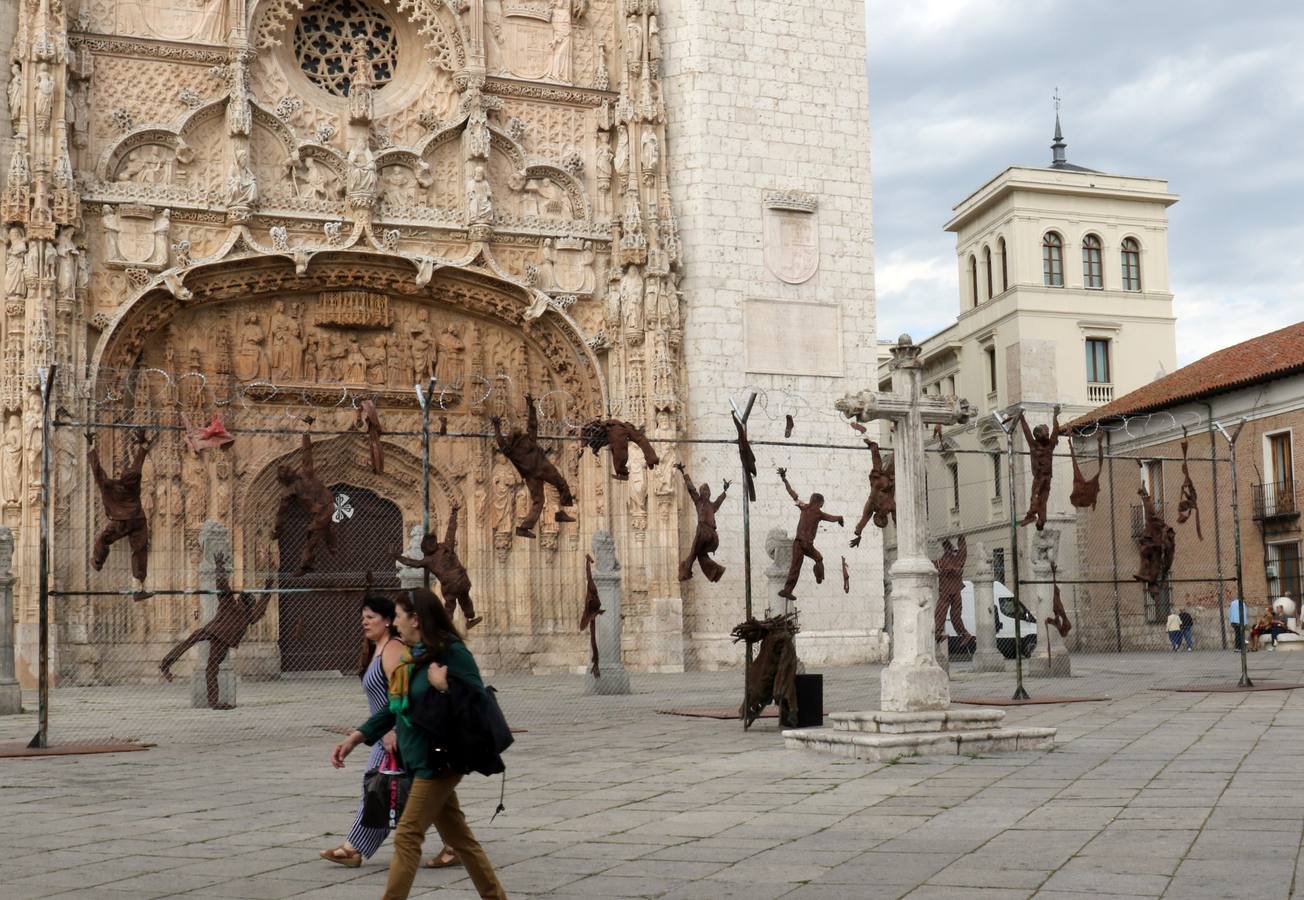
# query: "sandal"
[446,858]
[341,855]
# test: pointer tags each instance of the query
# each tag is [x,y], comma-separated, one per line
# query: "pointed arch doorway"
[319,629]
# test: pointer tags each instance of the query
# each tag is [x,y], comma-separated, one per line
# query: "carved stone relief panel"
[792,245]
[147,91]
[201,21]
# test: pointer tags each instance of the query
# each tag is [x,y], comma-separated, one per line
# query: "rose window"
[330,32]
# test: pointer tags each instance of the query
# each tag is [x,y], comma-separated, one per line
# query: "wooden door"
[319,630]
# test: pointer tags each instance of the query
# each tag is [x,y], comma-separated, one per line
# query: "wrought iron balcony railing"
[1275,500]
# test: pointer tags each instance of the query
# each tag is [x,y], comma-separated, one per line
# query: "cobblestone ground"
[1151,793]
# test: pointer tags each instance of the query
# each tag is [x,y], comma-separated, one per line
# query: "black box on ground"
[810,701]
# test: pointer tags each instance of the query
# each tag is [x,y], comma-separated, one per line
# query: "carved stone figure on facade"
[561,67]
[16,94]
[631,304]
[369,418]
[1041,453]
[241,185]
[319,182]
[304,488]
[16,257]
[450,362]
[286,357]
[11,466]
[803,545]
[1157,544]
[66,266]
[522,449]
[604,162]
[1086,490]
[251,356]
[122,507]
[617,435]
[363,177]
[234,617]
[654,45]
[650,156]
[109,221]
[355,363]
[620,158]
[479,199]
[950,584]
[706,539]
[440,559]
[361,100]
[44,98]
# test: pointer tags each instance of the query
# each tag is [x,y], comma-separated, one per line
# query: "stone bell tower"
[768,161]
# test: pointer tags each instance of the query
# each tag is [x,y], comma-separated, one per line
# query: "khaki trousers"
[432,801]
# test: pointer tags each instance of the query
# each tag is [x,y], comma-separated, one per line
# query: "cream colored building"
[1064,299]
[616,204]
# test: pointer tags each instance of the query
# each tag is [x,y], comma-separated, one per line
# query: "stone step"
[886,722]
[885,747]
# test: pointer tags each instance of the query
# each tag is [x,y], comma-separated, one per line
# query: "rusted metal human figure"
[772,676]
[122,507]
[706,540]
[592,609]
[234,617]
[1041,450]
[882,490]
[746,457]
[1188,504]
[1157,544]
[1060,618]
[522,449]
[369,418]
[441,561]
[950,585]
[617,435]
[803,545]
[303,487]
[1086,490]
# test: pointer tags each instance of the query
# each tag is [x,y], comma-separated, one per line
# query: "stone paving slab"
[1150,794]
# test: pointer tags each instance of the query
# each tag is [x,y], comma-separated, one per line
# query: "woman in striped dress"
[381,653]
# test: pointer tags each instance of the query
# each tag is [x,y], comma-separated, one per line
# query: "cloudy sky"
[1206,93]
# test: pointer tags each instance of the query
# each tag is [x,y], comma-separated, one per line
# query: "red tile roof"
[1264,358]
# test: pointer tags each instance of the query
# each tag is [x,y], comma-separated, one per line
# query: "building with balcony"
[1260,383]
[1064,299]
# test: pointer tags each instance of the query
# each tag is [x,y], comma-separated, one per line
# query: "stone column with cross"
[913,681]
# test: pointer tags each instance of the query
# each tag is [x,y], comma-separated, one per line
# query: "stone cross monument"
[915,717]
[913,681]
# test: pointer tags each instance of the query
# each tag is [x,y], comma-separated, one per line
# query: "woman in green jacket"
[436,653]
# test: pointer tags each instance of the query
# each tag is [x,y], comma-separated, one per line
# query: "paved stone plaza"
[1153,793]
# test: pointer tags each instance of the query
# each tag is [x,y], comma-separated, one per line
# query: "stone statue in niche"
[604,160]
[251,355]
[362,175]
[285,361]
[541,199]
[634,48]
[654,45]
[146,165]
[318,182]
[109,220]
[44,97]
[561,67]
[500,504]
[631,304]
[11,466]
[15,285]
[374,352]
[479,199]
[355,363]
[620,159]
[400,185]
[16,94]
[450,363]
[421,349]
[651,155]
[241,185]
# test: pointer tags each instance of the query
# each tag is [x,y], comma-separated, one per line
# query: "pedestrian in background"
[1188,626]
[1237,618]
[1174,627]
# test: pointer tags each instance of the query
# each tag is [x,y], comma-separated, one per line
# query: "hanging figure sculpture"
[234,617]
[522,449]
[1188,505]
[803,545]
[706,540]
[1157,544]
[746,457]
[882,490]
[772,676]
[441,561]
[304,487]
[617,435]
[1086,490]
[1060,619]
[122,507]
[950,585]
[369,418]
[592,609]
[1041,451]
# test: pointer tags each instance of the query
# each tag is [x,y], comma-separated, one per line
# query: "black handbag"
[384,794]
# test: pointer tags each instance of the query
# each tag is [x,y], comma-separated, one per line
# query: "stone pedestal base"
[918,685]
[987,661]
[613,681]
[885,735]
[1056,663]
[11,699]
[226,680]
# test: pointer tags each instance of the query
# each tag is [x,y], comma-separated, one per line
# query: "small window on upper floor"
[1005,269]
[1092,272]
[1052,260]
[991,369]
[973,278]
[1098,361]
[987,264]
[1131,258]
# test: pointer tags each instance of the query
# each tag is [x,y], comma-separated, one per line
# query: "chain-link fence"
[133,607]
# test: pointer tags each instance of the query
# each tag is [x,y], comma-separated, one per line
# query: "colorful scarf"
[400,682]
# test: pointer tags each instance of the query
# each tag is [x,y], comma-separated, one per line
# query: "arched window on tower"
[1052,260]
[1005,268]
[1131,265]
[987,264]
[1092,272]
[973,278]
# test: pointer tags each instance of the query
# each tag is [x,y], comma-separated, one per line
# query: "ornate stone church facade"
[294,201]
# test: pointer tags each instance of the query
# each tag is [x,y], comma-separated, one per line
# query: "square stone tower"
[768,161]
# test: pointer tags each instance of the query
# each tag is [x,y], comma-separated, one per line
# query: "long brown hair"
[383,607]
[437,628]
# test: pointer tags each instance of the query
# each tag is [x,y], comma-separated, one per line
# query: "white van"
[1005,606]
